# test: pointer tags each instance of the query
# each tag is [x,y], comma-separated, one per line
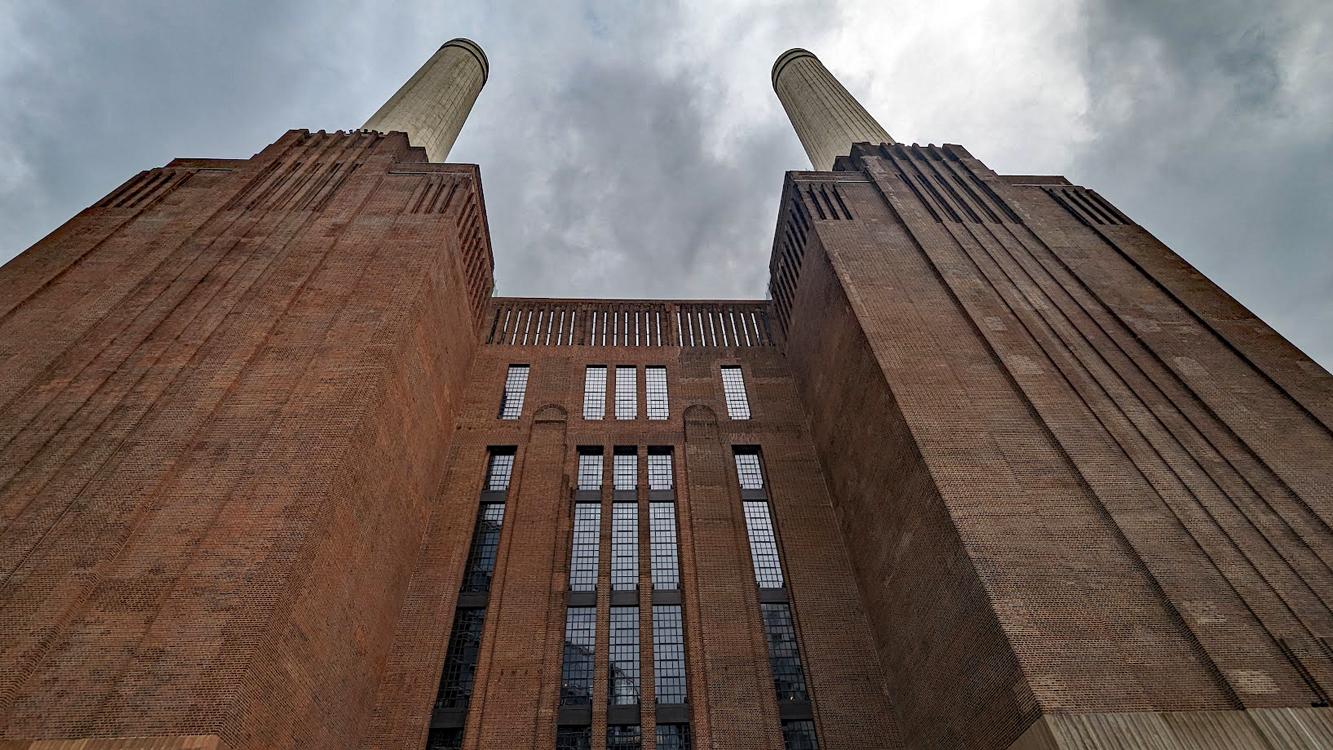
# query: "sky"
[637,149]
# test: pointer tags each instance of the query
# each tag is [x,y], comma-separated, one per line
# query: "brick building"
[992,468]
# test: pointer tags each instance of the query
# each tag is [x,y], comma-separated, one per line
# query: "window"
[624,469]
[624,547]
[747,469]
[656,385]
[627,392]
[798,735]
[590,468]
[662,546]
[623,737]
[587,536]
[733,386]
[659,469]
[485,541]
[763,545]
[573,738]
[673,737]
[499,469]
[668,654]
[516,384]
[451,739]
[460,663]
[623,670]
[580,642]
[784,656]
[594,392]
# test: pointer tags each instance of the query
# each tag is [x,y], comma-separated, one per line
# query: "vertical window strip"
[797,735]
[594,392]
[669,654]
[659,469]
[624,471]
[627,392]
[485,544]
[784,655]
[460,662]
[655,387]
[624,547]
[733,387]
[590,471]
[623,737]
[573,738]
[516,385]
[748,471]
[663,550]
[576,674]
[449,739]
[673,737]
[763,545]
[586,545]
[623,668]
[498,471]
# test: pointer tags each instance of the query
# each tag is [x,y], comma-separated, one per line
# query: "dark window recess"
[623,737]
[460,664]
[784,655]
[573,738]
[673,737]
[668,654]
[580,643]
[499,469]
[623,671]
[485,542]
[449,739]
[799,735]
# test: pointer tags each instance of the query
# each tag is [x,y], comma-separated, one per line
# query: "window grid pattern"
[668,654]
[587,538]
[485,541]
[447,739]
[580,644]
[624,471]
[659,471]
[498,471]
[798,735]
[748,471]
[655,387]
[624,547]
[623,737]
[623,671]
[460,663]
[627,392]
[590,471]
[673,737]
[784,655]
[763,545]
[733,387]
[573,738]
[516,384]
[662,549]
[594,392]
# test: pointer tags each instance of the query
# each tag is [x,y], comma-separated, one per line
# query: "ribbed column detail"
[434,103]
[827,119]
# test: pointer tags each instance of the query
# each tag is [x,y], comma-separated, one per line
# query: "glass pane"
[799,735]
[733,387]
[460,661]
[747,470]
[580,642]
[624,547]
[485,542]
[662,546]
[573,738]
[668,654]
[594,392]
[673,737]
[627,393]
[623,672]
[656,389]
[763,545]
[498,471]
[623,737]
[516,383]
[590,471]
[587,542]
[659,470]
[784,655]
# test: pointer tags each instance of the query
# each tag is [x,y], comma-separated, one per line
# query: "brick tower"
[993,468]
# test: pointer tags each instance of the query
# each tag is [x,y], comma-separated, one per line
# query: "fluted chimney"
[434,103]
[826,118]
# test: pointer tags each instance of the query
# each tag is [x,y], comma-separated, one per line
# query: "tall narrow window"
[587,536]
[485,542]
[580,644]
[748,471]
[797,735]
[624,547]
[498,469]
[659,469]
[668,654]
[621,737]
[673,737]
[763,545]
[662,550]
[655,383]
[627,392]
[623,669]
[450,739]
[573,738]
[733,386]
[590,468]
[784,656]
[594,392]
[625,469]
[516,384]
[460,662]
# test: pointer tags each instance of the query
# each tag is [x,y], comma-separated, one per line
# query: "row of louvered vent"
[145,188]
[945,186]
[293,186]
[584,324]
[1087,206]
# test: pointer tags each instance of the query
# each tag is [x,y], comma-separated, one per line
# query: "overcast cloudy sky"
[637,149]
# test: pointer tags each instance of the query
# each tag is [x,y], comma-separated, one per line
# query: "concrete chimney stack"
[434,103]
[827,119]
